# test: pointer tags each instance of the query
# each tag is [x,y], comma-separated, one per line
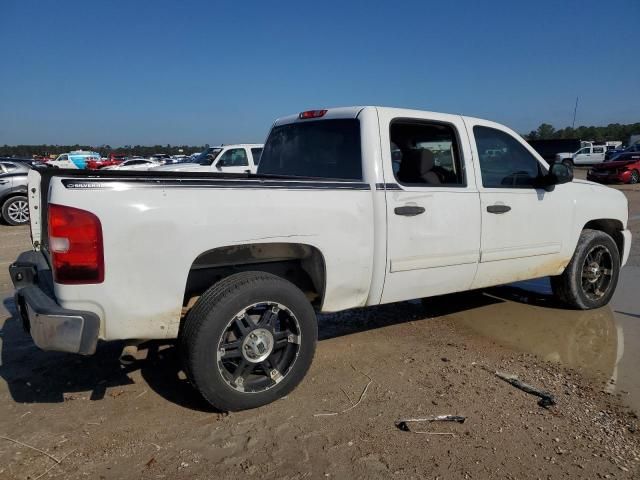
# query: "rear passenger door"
[525,229]
[234,160]
[433,215]
[597,154]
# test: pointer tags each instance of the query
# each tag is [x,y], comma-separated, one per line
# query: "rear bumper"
[51,326]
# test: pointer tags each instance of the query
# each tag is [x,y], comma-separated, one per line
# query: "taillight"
[75,243]
[312,114]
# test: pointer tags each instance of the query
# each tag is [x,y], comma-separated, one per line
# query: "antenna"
[575,109]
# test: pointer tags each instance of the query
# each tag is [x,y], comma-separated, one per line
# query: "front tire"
[590,279]
[635,177]
[248,340]
[15,210]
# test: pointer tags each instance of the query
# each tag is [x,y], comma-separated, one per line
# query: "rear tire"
[15,210]
[248,340]
[635,177]
[590,279]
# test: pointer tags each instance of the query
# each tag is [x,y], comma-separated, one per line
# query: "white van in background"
[75,159]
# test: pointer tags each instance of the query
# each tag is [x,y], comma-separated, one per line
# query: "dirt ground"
[102,419]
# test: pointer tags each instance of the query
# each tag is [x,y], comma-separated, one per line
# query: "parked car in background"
[238,158]
[75,159]
[236,266]
[624,168]
[178,159]
[31,162]
[111,160]
[134,164]
[589,155]
[14,206]
[635,148]
[160,157]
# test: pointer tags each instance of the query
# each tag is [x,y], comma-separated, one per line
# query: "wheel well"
[15,193]
[611,227]
[301,264]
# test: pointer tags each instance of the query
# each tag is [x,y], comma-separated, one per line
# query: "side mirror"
[560,173]
[221,163]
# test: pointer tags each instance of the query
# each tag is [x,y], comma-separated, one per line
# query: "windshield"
[208,156]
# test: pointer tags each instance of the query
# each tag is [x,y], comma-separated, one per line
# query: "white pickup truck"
[238,158]
[350,207]
[587,155]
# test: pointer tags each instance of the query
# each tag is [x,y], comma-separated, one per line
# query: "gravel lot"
[103,419]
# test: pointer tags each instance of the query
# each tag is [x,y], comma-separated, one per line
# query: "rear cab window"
[314,148]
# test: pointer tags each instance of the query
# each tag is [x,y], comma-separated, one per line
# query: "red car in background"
[112,159]
[617,170]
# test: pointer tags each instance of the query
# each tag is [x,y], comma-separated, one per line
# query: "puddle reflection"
[525,317]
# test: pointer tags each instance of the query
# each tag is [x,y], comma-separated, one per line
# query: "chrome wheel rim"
[258,347]
[18,211]
[597,272]
[635,176]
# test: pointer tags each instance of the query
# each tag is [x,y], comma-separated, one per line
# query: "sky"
[126,72]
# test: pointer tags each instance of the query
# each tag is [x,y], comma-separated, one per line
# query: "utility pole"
[575,109]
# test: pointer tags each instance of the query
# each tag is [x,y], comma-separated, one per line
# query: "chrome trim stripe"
[387,186]
[116,183]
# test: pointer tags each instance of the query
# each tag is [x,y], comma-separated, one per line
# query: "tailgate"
[35,207]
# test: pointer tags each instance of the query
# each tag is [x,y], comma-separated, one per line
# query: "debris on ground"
[546,399]
[403,423]
[353,405]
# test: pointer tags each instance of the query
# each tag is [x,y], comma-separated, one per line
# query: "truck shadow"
[35,376]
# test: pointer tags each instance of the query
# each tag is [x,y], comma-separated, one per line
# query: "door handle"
[2,182]
[409,210]
[498,208]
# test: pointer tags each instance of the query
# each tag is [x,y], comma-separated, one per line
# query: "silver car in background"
[14,206]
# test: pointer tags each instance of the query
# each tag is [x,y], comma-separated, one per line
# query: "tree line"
[613,131]
[546,131]
[29,151]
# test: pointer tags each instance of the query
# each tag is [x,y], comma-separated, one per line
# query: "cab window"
[236,157]
[504,161]
[425,153]
[256,152]
[9,166]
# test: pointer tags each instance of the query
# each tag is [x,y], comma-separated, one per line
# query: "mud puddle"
[604,342]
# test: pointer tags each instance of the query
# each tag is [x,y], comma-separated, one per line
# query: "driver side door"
[524,227]
[583,157]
